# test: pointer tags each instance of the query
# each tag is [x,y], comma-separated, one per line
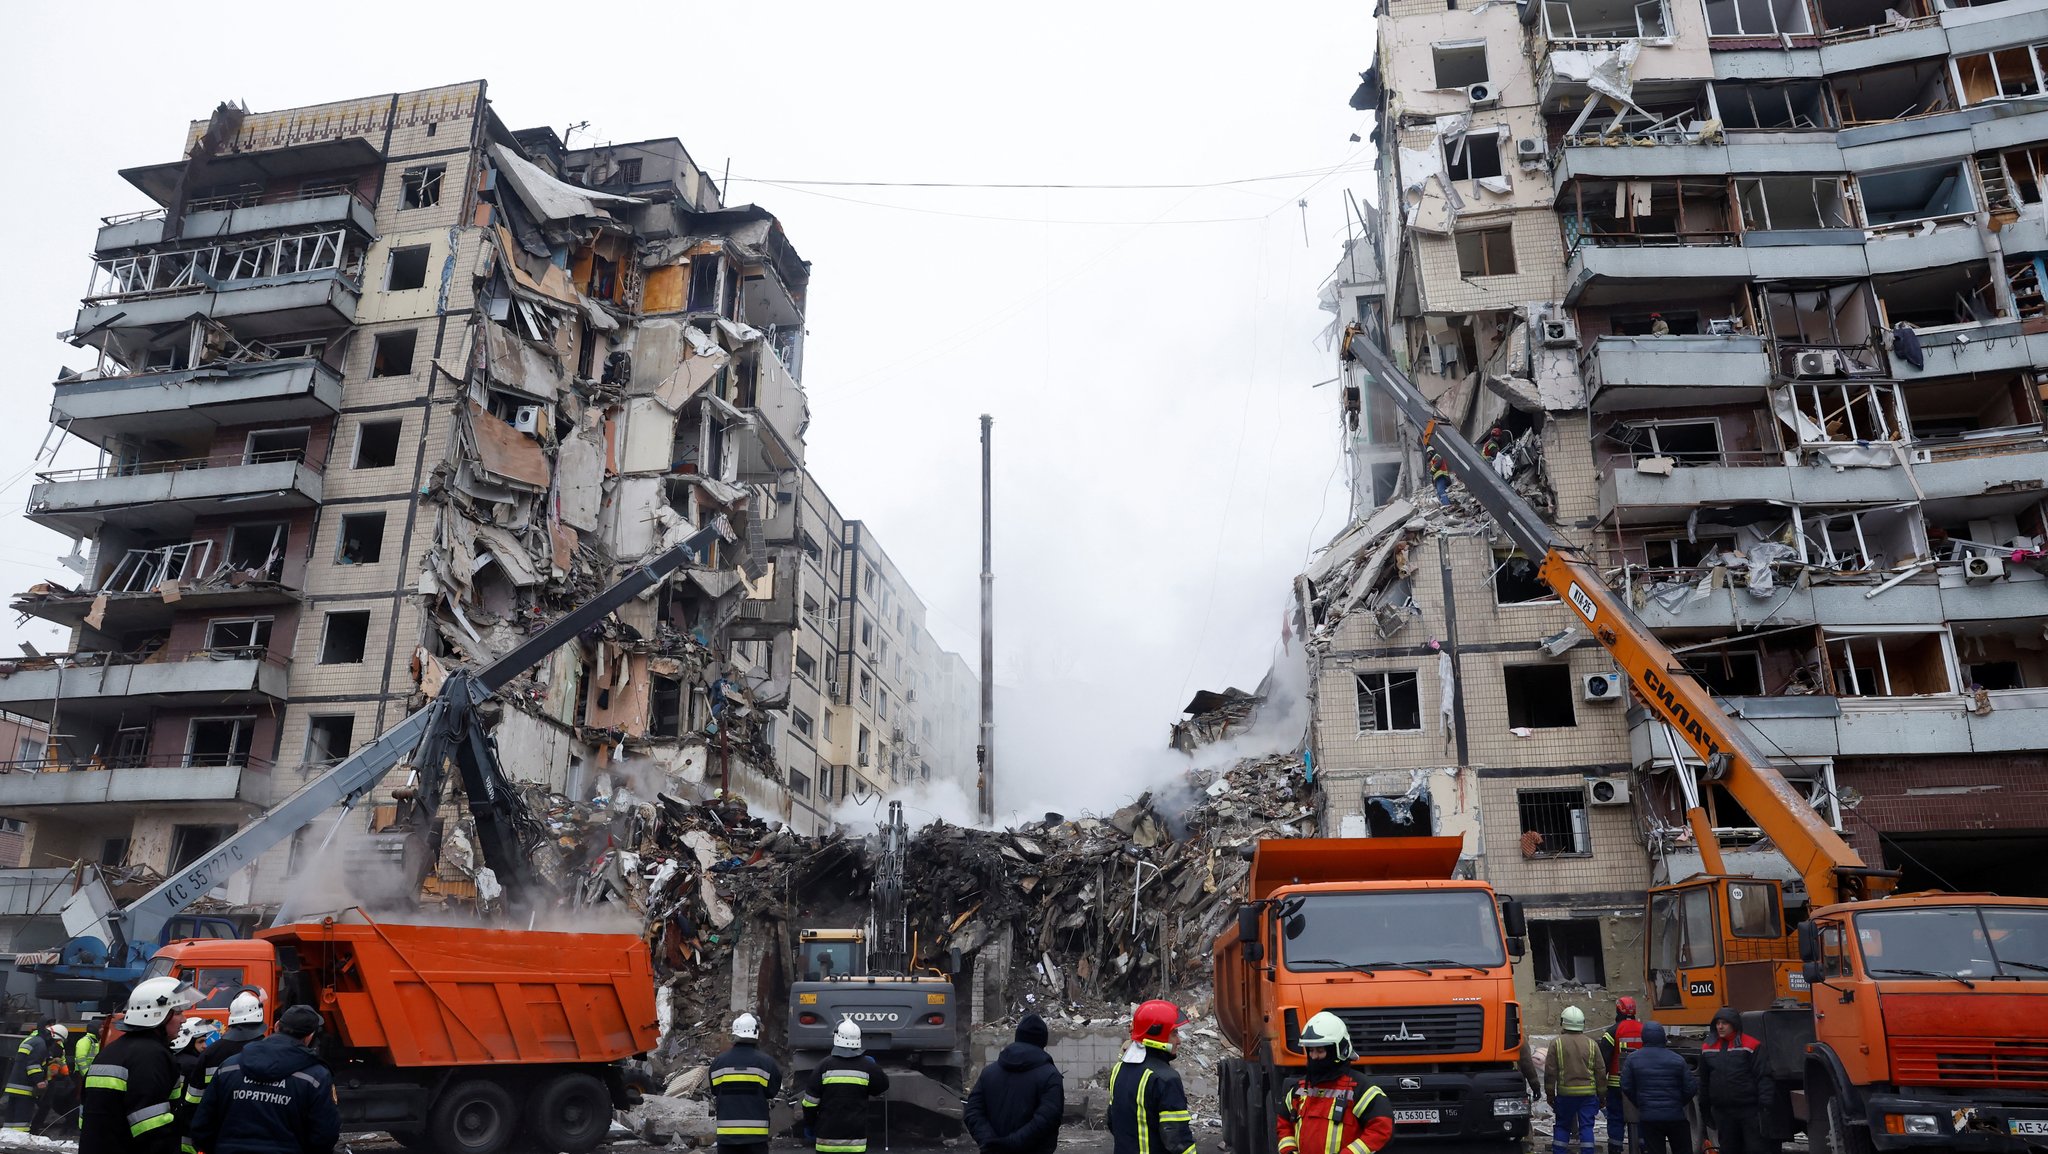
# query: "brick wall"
[1930,794]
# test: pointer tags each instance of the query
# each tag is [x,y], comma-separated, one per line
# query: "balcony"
[184,403]
[130,599]
[1819,726]
[49,787]
[1632,372]
[299,283]
[322,211]
[166,496]
[105,682]
[1635,490]
[35,892]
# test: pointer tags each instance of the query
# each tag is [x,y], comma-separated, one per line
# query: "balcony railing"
[1800,360]
[1654,240]
[109,469]
[198,269]
[101,763]
[159,655]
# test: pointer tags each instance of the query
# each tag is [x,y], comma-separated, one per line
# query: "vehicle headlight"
[1510,1107]
[1918,1125]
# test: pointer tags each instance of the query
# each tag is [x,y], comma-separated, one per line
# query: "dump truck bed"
[444,996]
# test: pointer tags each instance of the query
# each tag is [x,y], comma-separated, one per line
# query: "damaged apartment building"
[381,388]
[1745,297]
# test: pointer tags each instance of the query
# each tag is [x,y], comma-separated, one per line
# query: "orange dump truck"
[1415,962]
[454,1039]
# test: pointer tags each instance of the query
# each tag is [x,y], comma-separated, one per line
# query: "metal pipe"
[985,754]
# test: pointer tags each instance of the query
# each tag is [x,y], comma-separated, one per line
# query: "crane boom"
[1831,869]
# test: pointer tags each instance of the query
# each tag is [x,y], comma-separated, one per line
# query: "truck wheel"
[473,1117]
[1836,1135]
[570,1114]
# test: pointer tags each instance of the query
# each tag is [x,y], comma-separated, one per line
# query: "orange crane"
[1890,1022]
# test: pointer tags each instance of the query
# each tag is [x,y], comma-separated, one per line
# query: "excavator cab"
[1721,941]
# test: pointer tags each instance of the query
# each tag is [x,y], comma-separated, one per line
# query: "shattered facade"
[383,388]
[1746,300]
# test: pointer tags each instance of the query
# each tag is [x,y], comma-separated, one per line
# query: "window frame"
[1383,702]
[1480,238]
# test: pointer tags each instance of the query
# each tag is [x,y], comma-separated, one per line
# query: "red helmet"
[1155,1023]
[1626,1006]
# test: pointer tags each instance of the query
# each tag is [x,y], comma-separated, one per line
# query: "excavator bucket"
[1299,861]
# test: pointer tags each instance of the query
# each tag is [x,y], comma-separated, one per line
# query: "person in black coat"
[275,1097]
[1016,1103]
[1661,1085]
[1735,1085]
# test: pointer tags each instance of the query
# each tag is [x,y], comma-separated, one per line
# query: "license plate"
[1401,1116]
[2028,1125]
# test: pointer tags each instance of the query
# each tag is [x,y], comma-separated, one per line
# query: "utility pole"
[985,754]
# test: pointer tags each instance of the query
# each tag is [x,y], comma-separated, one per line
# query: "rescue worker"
[131,1090]
[1735,1085]
[1660,1085]
[189,1047]
[1016,1103]
[1148,1109]
[1572,1080]
[1623,1038]
[60,1101]
[29,1078]
[1659,327]
[1329,1097]
[245,1025]
[1440,476]
[743,1082]
[836,1102]
[275,1097]
[84,1052]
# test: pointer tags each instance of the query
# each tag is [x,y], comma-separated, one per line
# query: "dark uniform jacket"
[1340,1115]
[31,1060]
[836,1104]
[1148,1109]
[1732,1072]
[1018,1100]
[743,1082]
[231,1043]
[1657,1080]
[131,1093]
[275,1097]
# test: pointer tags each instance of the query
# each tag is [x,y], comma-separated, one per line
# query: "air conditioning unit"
[1817,363]
[1603,686]
[1606,791]
[526,418]
[1530,151]
[1482,96]
[1978,567]
[863,759]
[1560,332]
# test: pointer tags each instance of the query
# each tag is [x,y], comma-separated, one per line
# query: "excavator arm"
[1831,869]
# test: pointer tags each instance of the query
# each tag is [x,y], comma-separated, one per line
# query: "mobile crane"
[1914,1021]
[110,946]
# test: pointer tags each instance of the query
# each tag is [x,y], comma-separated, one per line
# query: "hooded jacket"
[275,1097]
[1732,1072]
[1148,1107]
[1017,1102]
[743,1082]
[1657,1080]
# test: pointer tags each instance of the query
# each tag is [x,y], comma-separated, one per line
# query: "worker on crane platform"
[743,1081]
[836,1103]
[1148,1109]
[1332,1098]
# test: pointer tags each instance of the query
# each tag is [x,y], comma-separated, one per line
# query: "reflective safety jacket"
[31,1059]
[836,1103]
[1623,1038]
[84,1050]
[1341,1115]
[1148,1109]
[131,1091]
[743,1082]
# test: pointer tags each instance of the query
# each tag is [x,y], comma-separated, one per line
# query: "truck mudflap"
[1477,1105]
[1910,1121]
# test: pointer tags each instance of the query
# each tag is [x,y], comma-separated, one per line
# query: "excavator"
[1890,1021]
[110,946]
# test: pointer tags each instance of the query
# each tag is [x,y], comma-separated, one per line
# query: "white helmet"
[846,1039]
[1327,1029]
[61,1031]
[193,1028]
[746,1028]
[246,1009]
[154,1000]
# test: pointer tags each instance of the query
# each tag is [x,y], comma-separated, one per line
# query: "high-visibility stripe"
[746,1128]
[1372,1094]
[726,1071]
[1358,1147]
[102,1082]
[150,1118]
[22,1126]
[1289,1143]
[1176,1116]
[810,1102]
[860,1147]
[752,1079]
[1144,1123]
[850,1078]
[24,1091]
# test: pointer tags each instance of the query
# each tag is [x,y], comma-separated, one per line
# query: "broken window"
[1567,950]
[1729,672]
[1648,212]
[1932,297]
[329,738]
[1758,18]
[1694,442]
[704,282]
[1958,406]
[1775,203]
[238,637]
[1516,580]
[258,549]
[189,843]
[391,356]
[1605,20]
[220,741]
[862,741]
[1388,701]
[1461,64]
[1856,540]
[2021,172]
[1486,251]
[1912,194]
[665,707]
[2007,74]
[267,445]
[377,444]
[2001,655]
[1399,815]
[408,268]
[799,784]
[1473,156]
[1890,664]
[867,688]
[1840,411]
[1557,818]
[361,539]
[1539,696]
[628,172]
[1686,552]
[1882,95]
[806,666]
[344,638]
[1841,15]
[1765,106]
[867,631]
[800,721]
[422,186]
[1823,332]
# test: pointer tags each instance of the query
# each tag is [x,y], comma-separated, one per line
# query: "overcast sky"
[1163,462]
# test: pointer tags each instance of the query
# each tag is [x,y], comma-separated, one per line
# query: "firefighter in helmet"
[1331,1108]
